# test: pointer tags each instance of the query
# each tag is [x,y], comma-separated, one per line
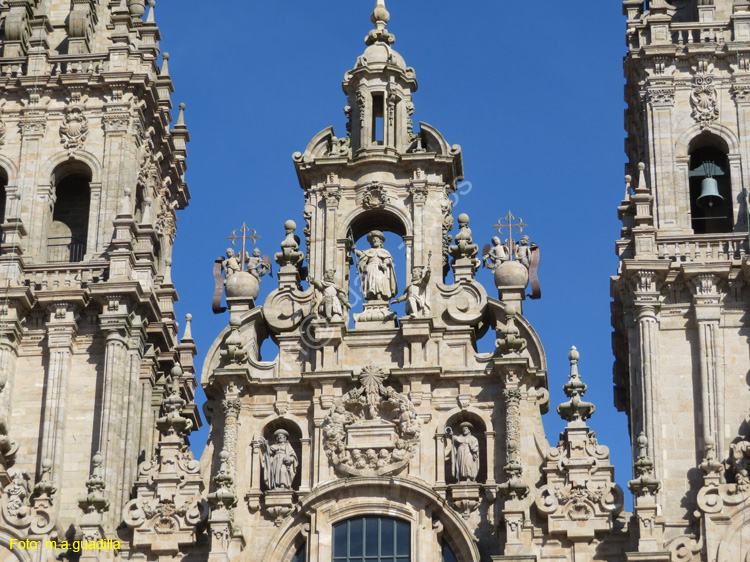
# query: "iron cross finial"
[510,225]
[243,235]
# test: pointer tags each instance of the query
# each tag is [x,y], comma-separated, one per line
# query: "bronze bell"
[709,196]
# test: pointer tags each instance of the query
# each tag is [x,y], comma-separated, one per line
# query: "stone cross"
[500,226]
[243,235]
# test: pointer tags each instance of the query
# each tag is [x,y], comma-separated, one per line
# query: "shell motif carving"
[704,99]
[372,430]
[74,128]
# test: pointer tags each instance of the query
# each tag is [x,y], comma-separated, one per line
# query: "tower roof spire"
[380,17]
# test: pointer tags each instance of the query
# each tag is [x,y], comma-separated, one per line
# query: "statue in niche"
[524,251]
[280,463]
[496,254]
[258,266]
[375,268]
[464,453]
[230,266]
[415,294]
[334,299]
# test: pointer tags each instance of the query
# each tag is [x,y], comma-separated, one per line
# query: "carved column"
[117,167]
[61,332]
[10,332]
[332,195]
[439,458]
[111,415]
[306,464]
[418,190]
[646,317]
[231,408]
[132,422]
[707,315]
[661,93]
[36,192]
[741,93]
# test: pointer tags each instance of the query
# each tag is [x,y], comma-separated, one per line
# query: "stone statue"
[281,462]
[230,266]
[415,294]
[495,255]
[464,453]
[258,266]
[334,299]
[524,250]
[375,267]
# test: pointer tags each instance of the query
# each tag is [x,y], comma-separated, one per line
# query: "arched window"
[710,186]
[372,539]
[70,218]
[448,554]
[301,555]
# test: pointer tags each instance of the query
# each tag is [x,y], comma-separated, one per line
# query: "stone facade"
[364,418]
[680,305]
[91,177]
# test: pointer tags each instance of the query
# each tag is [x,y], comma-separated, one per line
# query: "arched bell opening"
[67,239]
[276,461]
[459,445]
[710,181]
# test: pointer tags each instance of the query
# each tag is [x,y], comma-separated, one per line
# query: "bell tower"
[92,175]
[681,295]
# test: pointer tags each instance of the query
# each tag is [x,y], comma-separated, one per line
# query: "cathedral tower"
[680,296]
[91,177]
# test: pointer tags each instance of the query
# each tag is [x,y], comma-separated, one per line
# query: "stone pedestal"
[376,314]
[465,497]
[278,504]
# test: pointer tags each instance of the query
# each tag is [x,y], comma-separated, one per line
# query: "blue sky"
[532,91]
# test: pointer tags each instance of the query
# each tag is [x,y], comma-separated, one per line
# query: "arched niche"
[295,440]
[479,431]
[15,554]
[431,520]
[68,233]
[358,224]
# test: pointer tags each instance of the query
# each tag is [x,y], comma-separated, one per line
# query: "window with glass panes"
[372,539]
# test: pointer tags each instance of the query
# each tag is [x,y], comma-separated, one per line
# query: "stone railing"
[44,277]
[681,34]
[703,247]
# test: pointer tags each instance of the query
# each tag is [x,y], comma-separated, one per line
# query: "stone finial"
[644,484]
[45,487]
[125,203]
[289,254]
[575,411]
[94,501]
[642,185]
[380,17]
[510,340]
[710,466]
[233,352]
[188,335]
[181,116]
[150,18]
[224,496]
[172,425]
[628,182]
[147,218]
[165,65]
[167,271]
[137,8]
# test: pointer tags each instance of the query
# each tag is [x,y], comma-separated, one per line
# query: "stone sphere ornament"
[511,274]
[242,285]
